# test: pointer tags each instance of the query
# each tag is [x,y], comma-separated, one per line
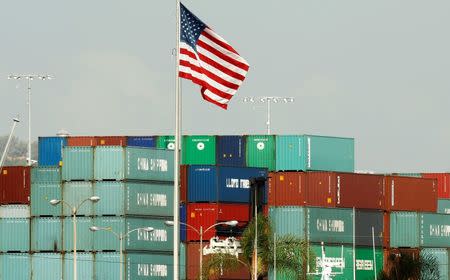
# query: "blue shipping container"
[183,212]
[230,151]
[50,150]
[207,183]
[142,141]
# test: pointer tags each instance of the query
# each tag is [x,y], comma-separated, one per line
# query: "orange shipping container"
[111,140]
[89,141]
[443,183]
[287,188]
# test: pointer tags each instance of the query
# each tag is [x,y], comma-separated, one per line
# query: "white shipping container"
[15,211]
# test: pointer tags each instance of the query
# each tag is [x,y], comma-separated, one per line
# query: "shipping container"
[78,164]
[133,163]
[107,265]
[183,183]
[443,183]
[410,194]
[165,142]
[74,193]
[41,194]
[46,266]
[443,206]
[85,236]
[207,214]
[130,198]
[408,174]
[46,234]
[15,185]
[365,220]
[404,229]
[15,211]
[86,141]
[288,220]
[366,266]
[342,265]
[15,266]
[141,141]
[260,151]
[230,151]
[199,149]
[206,183]
[183,216]
[182,262]
[311,152]
[15,235]
[85,266]
[111,140]
[50,150]
[160,239]
[287,189]
[434,230]
[45,174]
[441,255]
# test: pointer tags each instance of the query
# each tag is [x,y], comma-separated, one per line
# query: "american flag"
[209,61]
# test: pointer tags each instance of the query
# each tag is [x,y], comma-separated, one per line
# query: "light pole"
[268,100]
[29,77]
[120,236]
[200,233]
[54,202]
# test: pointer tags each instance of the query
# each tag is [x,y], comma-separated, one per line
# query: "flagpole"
[176,218]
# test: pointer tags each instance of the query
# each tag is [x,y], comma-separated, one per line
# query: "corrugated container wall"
[45,174]
[84,235]
[148,266]
[87,141]
[404,229]
[443,206]
[50,150]
[149,164]
[287,189]
[442,257]
[342,255]
[182,270]
[46,234]
[288,220]
[410,194]
[74,193]
[15,266]
[105,265]
[199,149]
[443,183]
[364,222]
[141,141]
[230,151]
[183,216]
[365,265]
[260,151]
[111,140]
[85,266]
[41,194]
[46,266]
[15,234]
[165,142]
[78,163]
[15,211]
[434,230]
[15,185]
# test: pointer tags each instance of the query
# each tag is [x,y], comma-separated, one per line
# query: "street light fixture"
[74,210]
[120,236]
[29,77]
[200,232]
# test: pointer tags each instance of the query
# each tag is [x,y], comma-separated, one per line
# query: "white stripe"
[222,62]
[207,80]
[217,36]
[215,97]
[220,49]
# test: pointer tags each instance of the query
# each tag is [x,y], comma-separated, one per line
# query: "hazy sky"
[373,70]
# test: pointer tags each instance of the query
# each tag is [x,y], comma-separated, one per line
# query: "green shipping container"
[78,163]
[260,151]
[85,236]
[85,266]
[199,149]
[442,257]
[443,206]
[434,230]
[14,235]
[46,234]
[165,142]
[366,268]
[45,174]
[46,266]
[341,258]
[404,229]
[129,198]
[41,194]
[160,239]
[74,193]
[15,266]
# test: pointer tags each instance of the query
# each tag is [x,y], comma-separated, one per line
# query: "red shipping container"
[15,185]
[111,140]
[207,214]
[89,141]
[193,265]
[287,189]
[443,183]
[410,194]
[386,230]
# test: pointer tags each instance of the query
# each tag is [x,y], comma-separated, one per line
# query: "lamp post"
[74,210]
[200,233]
[268,100]
[29,77]
[120,236]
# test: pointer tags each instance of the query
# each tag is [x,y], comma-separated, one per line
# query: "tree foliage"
[406,267]
[17,152]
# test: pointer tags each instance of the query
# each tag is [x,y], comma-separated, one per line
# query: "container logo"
[330,262]
[330,225]
[157,235]
[200,146]
[171,146]
[234,183]
[151,199]
[156,270]
[338,189]
[260,146]
[153,164]
[440,230]
[364,264]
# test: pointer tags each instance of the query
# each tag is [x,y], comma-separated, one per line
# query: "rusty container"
[111,140]
[287,189]
[410,194]
[15,185]
[443,183]
[89,141]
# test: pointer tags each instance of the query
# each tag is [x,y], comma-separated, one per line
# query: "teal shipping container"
[14,235]
[78,163]
[45,174]
[131,198]
[15,266]
[260,151]
[328,225]
[85,236]
[85,266]
[434,230]
[443,206]
[442,257]
[133,163]
[41,194]
[160,239]
[182,261]
[106,265]
[404,229]
[199,149]
[73,193]
[46,266]
[46,234]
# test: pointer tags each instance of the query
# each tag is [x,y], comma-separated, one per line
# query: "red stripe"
[222,56]
[206,85]
[210,75]
[220,67]
[207,98]
[219,42]
[188,53]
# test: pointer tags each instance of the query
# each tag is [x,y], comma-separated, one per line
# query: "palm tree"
[407,267]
